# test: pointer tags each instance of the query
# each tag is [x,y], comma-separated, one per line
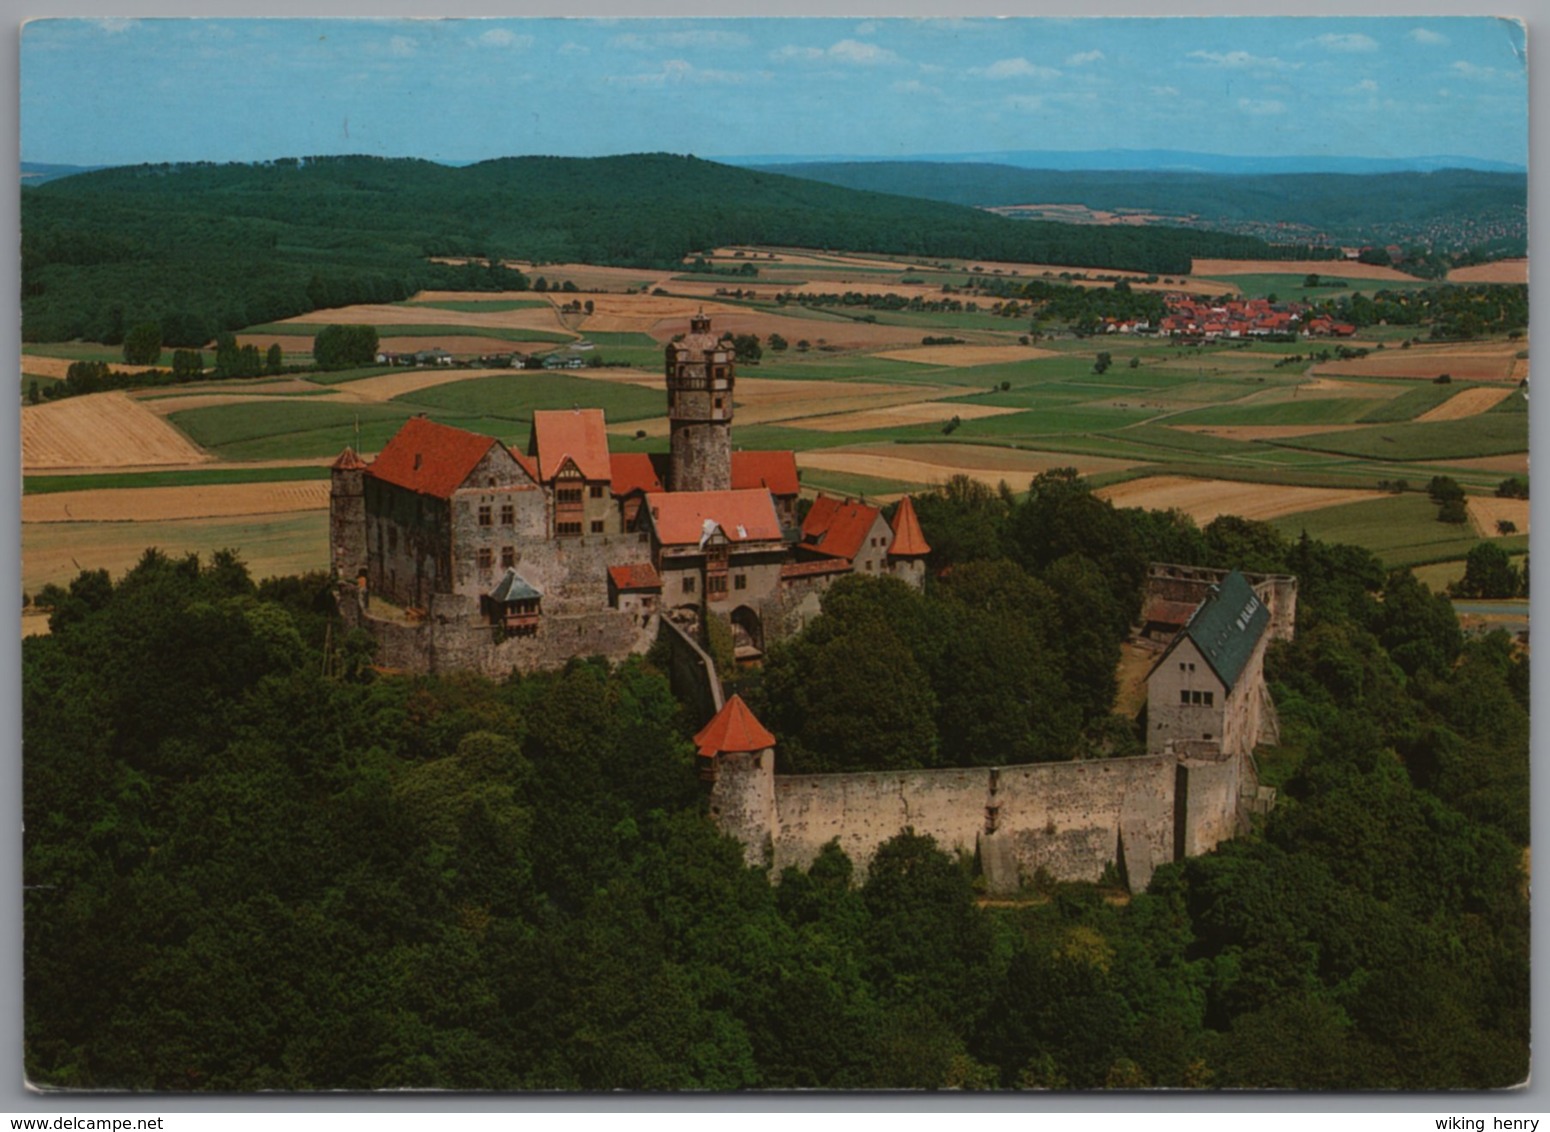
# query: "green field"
[514,396]
[1489,434]
[1403,530]
[1413,402]
[191,477]
[1309,411]
[1288,288]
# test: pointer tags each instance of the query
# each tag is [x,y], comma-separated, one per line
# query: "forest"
[201,248]
[1446,209]
[253,862]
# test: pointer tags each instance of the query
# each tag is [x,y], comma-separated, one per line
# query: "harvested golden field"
[642,314]
[1204,500]
[1335,268]
[386,386]
[149,504]
[1265,432]
[277,545]
[1485,511]
[967,355]
[896,416]
[989,467]
[544,318]
[101,430]
[1502,271]
[1464,361]
[40,366]
[1469,403]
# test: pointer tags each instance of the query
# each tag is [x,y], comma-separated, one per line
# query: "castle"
[459,552]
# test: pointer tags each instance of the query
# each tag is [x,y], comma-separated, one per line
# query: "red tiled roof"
[837,527]
[635,576]
[638,471]
[908,538]
[574,433]
[678,517]
[734,729]
[774,471]
[430,458]
[348,461]
[529,465]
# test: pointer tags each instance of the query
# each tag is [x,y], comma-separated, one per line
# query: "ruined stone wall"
[1069,819]
[1205,785]
[409,538]
[1192,584]
[347,522]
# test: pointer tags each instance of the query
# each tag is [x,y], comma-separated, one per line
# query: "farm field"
[1501,271]
[1331,268]
[1486,511]
[869,409]
[1204,499]
[1403,530]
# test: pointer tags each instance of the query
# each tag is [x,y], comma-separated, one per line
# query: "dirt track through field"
[1204,500]
[1470,403]
[152,504]
[101,430]
[1486,510]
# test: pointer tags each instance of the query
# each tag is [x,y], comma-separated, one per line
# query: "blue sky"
[96,92]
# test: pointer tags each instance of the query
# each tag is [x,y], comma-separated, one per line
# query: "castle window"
[597,526]
[716,584]
[564,529]
[1183,697]
[484,514]
[508,557]
[508,514]
[596,491]
[740,582]
[689,585]
[486,559]
[1208,698]
[571,495]
[392,539]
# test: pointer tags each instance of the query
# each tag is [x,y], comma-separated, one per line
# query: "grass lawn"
[47,485]
[514,396]
[1489,434]
[1402,530]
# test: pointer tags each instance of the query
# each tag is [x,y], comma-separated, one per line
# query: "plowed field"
[141,504]
[101,430]
[1476,361]
[1502,271]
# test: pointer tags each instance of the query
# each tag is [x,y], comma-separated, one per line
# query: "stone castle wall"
[1070,820]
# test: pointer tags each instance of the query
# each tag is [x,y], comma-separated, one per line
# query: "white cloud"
[1243,61]
[402,46]
[1366,86]
[684,37]
[868,28]
[914,86]
[501,37]
[115,26]
[868,54]
[1082,58]
[1425,35]
[1467,70]
[1347,44]
[1261,107]
[1018,68]
[845,51]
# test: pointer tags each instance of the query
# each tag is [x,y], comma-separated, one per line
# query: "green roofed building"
[1206,694]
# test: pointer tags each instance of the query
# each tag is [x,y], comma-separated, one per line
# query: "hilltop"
[205,247]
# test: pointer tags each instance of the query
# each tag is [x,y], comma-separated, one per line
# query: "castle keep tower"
[347,516]
[700,374]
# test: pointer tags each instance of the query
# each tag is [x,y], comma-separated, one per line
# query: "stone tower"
[700,374]
[347,516]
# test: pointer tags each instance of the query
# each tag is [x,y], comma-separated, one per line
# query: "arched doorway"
[747,634]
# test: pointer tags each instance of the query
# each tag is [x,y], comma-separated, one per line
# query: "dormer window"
[417,459]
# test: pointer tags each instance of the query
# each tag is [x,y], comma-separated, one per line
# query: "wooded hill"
[201,247]
[1449,203]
